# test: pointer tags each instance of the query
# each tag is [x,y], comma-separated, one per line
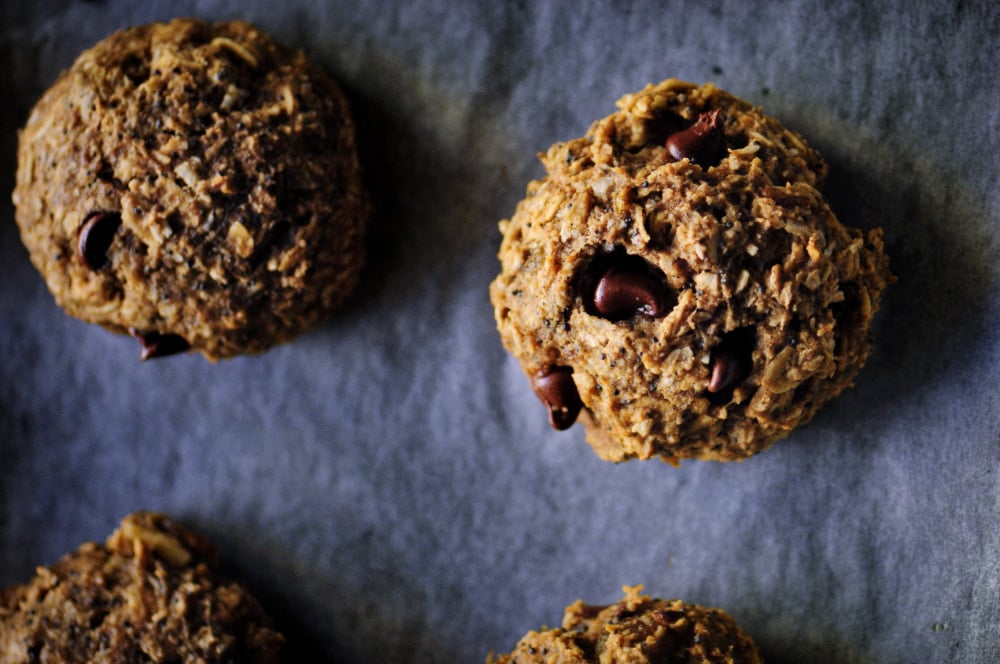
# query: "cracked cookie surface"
[637,630]
[195,185]
[151,593]
[677,282]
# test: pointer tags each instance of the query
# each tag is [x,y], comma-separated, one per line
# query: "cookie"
[677,282]
[152,593]
[637,629]
[195,185]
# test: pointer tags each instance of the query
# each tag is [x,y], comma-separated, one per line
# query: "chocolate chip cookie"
[195,185]
[637,629]
[151,593]
[678,283]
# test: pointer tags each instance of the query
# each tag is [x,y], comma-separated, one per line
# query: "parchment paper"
[389,485]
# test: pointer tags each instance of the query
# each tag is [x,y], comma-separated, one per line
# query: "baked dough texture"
[637,630]
[196,185]
[678,282]
[152,593]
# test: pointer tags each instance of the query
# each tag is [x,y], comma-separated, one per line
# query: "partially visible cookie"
[151,593]
[637,630]
[678,282]
[195,185]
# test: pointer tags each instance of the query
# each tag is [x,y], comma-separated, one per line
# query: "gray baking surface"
[389,485]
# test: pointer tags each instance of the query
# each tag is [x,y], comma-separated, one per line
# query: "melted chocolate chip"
[703,142]
[726,371]
[95,237]
[618,286]
[555,387]
[731,361]
[621,293]
[156,344]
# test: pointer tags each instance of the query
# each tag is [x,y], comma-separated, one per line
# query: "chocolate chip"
[95,236]
[703,142]
[621,293]
[730,363]
[726,371]
[617,286]
[156,344]
[555,387]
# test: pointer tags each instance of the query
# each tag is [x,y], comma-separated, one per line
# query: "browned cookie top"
[152,593]
[678,282]
[193,184]
[637,630]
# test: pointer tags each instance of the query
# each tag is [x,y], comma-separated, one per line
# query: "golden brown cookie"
[637,630]
[152,593]
[195,185]
[678,282]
